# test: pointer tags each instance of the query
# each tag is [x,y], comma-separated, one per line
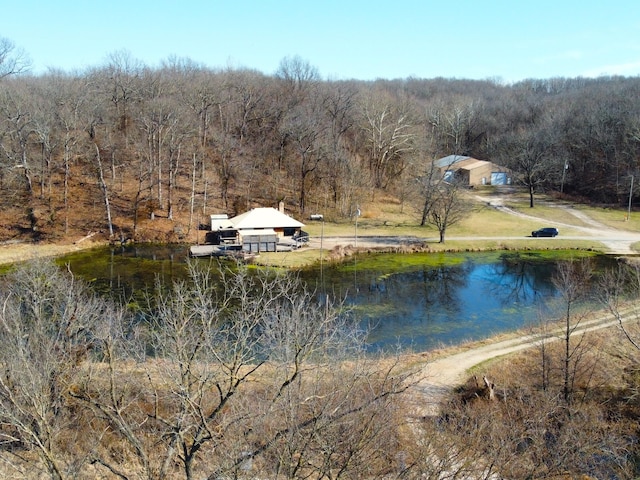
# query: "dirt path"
[443,374]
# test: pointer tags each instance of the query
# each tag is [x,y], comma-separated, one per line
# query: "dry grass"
[603,412]
[486,228]
[613,217]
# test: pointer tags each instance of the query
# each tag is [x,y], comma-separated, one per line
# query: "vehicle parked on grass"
[545,232]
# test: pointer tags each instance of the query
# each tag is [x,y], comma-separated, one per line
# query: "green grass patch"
[296,259]
[614,217]
[391,262]
[544,256]
[511,232]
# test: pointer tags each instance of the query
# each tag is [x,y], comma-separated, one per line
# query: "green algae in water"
[130,272]
[547,255]
[391,262]
[420,300]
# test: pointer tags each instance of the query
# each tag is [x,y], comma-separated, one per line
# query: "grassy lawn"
[614,217]
[388,218]
[486,221]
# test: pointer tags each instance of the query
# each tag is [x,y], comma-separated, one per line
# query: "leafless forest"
[111,147]
[247,375]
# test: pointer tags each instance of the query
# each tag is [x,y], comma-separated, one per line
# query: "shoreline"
[16,252]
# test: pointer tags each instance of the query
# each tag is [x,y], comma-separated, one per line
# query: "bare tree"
[246,370]
[12,59]
[120,84]
[165,130]
[17,119]
[528,155]
[388,136]
[47,321]
[448,206]
[572,281]
[297,77]
[69,98]
[454,127]
[341,172]
[619,289]
[45,101]
[429,182]
[302,129]
[102,182]
[16,132]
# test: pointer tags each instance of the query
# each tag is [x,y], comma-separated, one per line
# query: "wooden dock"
[220,251]
[206,251]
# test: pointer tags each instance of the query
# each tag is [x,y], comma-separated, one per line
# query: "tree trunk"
[65,189]
[530,195]
[192,198]
[491,394]
[425,212]
[566,387]
[105,190]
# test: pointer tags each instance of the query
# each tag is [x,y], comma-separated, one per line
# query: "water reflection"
[421,305]
[445,304]
[519,279]
[129,273]
[424,307]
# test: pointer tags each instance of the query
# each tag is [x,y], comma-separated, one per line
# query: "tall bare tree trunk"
[192,200]
[65,192]
[105,190]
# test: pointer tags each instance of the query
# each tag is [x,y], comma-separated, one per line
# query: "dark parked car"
[545,232]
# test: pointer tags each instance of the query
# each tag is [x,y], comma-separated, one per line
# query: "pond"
[419,301]
[445,299]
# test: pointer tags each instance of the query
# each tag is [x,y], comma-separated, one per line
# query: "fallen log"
[89,235]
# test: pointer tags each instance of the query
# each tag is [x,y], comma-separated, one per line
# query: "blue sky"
[498,39]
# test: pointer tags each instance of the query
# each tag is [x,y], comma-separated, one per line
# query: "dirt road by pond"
[448,370]
[444,373]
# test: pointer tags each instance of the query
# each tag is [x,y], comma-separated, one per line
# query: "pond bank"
[14,252]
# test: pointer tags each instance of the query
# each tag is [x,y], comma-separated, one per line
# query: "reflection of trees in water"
[518,279]
[433,286]
[129,273]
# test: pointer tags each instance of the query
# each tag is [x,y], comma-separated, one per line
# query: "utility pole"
[564,174]
[357,215]
[630,195]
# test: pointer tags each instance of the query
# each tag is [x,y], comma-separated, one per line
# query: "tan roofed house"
[266,229]
[258,230]
[472,171]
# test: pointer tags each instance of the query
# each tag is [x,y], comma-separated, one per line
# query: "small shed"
[220,221]
[222,230]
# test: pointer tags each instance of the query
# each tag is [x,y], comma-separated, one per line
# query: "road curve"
[441,375]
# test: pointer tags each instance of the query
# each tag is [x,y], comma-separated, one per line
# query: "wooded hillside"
[137,152]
